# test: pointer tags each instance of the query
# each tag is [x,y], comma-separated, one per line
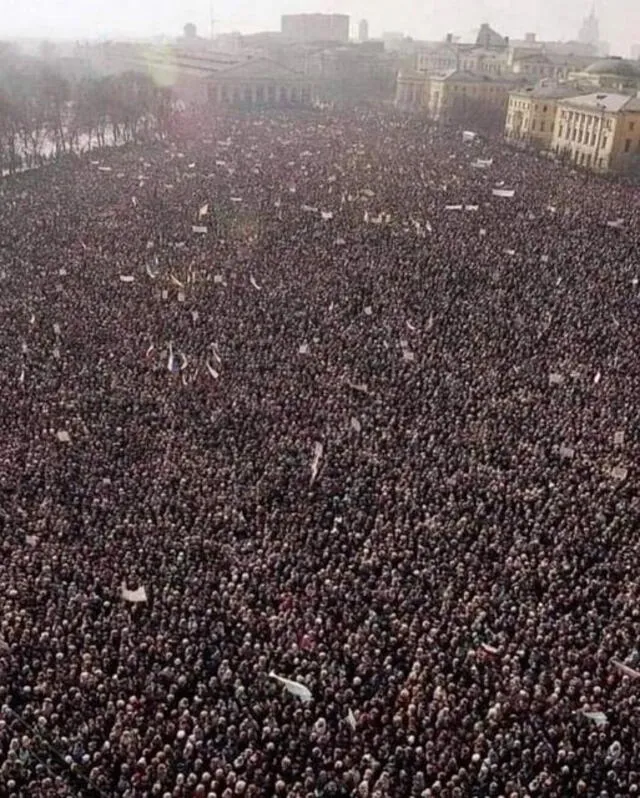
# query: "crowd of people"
[298,393]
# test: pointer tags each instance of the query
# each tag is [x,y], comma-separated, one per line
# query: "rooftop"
[552,91]
[622,67]
[606,102]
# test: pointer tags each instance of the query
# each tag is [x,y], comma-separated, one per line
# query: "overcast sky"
[550,19]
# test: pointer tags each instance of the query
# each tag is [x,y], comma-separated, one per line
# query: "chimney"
[449,38]
[506,41]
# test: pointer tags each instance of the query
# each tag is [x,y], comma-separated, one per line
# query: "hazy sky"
[550,19]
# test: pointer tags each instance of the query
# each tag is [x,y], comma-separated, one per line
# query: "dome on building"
[614,66]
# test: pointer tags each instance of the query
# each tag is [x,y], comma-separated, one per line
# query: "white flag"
[356,426]
[295,688]
[318,450]
[503,192]
[127,278]
[204,210]
[254,283]
[599,718]
[453,207]
[175,280]
[351,720]
[326,215]
[151,274]
[619,472]
[134,596]
[200,229]
[212,371]
[597,378]
[63,436]
[304,349]
[134,202]
[633,674]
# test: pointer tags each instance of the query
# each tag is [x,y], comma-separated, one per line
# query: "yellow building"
[411,90]
[531,113]
[599,132]
[460,97]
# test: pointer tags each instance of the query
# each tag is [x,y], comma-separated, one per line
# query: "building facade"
[456,97]
[258,83]
[531,113]
[461,97]
[599,131]
[315,27]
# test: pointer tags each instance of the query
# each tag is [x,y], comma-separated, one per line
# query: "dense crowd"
[374,430]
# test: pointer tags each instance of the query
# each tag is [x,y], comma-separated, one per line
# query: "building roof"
[258,68]
[488,38]
[548,91]
[611,103]
[464,76]
[622,67]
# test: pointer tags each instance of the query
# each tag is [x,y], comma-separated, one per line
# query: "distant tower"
[363,31]
[190,31]
[590,30]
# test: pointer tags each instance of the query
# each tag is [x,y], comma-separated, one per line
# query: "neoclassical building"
[599,131]
[531,113]
[260,82]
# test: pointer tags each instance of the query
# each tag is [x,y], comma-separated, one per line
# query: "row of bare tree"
[44,115]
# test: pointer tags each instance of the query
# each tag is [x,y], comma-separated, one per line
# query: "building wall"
[447,98]
[259,93]
[531,120]
[411,93]
[586,136]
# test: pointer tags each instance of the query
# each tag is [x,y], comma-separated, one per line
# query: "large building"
[259,82]
[599,131]
[531,113]
[214,78]
[493,54]
[612,74]
[457,96]
[316,27]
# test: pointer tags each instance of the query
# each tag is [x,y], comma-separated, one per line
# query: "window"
[627,145]
[593,138]
[632,125]
[544,109]
[603,146]
[542,127]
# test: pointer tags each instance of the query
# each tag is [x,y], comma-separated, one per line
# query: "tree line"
[45,114]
